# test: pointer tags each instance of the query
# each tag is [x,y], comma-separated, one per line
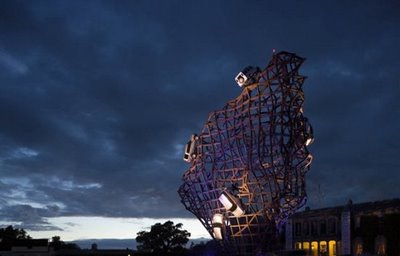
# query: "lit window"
[358,246]
[323,248]
[359,249]
[297,246]
[314,248]
[306,246]
[380,245]
[332,248]
[381,249]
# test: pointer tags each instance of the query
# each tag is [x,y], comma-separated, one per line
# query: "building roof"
[388,206]
[384,206]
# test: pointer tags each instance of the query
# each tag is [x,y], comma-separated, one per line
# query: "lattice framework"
[254,148]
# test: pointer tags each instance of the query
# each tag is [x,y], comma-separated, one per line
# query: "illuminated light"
[314,248]
[308,133]
[241,79]
[226,202]
[332,248]
[223,162]
[323,247]
[309,141]
[248,75]
[217,224]
[230,205]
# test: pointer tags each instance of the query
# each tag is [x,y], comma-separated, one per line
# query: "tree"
[94,247]
[58,244]
[8,235]
[13,234]
[163,239]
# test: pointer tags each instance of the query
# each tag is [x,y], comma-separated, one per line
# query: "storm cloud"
[98,98]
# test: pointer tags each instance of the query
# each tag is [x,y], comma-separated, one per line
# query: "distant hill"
[106,243]
[120,243]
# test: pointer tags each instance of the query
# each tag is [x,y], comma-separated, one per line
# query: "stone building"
[371,228]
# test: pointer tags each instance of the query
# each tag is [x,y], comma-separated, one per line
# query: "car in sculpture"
[191,149]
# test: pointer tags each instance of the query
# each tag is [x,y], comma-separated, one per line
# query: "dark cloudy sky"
[97,99]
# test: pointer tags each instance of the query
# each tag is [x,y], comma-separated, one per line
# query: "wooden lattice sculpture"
[248,165]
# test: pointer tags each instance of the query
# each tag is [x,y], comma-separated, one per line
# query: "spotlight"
[309,141]
[309,134]
[231,204]
[241,79]
[248,75]
[217,225]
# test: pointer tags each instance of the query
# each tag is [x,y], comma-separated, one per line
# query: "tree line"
[165,239]
[169,239]
[9,235]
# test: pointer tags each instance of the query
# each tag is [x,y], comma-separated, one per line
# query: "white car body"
[217,224]
[230,204]
[191,149]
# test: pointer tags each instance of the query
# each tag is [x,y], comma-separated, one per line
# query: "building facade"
[371,228]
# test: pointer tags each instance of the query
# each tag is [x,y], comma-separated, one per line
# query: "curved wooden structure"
[252,155]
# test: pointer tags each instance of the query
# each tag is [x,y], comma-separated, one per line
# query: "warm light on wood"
[255,150]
